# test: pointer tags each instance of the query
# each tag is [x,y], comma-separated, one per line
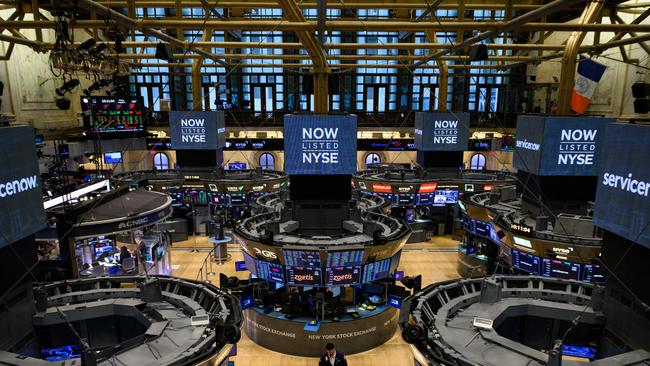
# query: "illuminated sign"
[197,130]
[259,188]
[192,177]
[428,187]
[441,131]
[265,253]
[383,188]
[522,242]
[521,228]
[562,251]
[405,189]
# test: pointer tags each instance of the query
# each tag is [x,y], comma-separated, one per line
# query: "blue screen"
[61,353]
[560,269]
[237,166]
[623,193]
[113,157]
[197,130]
[240,266]
[269,271]
[246,302]
[526,262]
[376,270]
[395,301]
[320,144]
[441,131]
[301,258]
[579,351]
[345,258]
[445,197]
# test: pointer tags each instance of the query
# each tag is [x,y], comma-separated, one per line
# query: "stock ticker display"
[113,114]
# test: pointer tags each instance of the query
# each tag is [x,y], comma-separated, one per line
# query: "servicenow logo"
[626,183]
[17,186]
[527,145]
[577,147]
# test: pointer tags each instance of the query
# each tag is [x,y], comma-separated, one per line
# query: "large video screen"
[560,269]
[301,258]
[623,194]
[320,144]
[341,276]
[572,146]
[345,258]
[526,262]
[113,114]
[528,148]
[197,130]
[21,200]
[304,276]
[441,131]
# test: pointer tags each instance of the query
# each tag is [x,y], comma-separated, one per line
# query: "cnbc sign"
[194,130]
[441,131]
[623,193]
[320,144]
[565,146]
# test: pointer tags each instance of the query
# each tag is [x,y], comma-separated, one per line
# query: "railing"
[206,268]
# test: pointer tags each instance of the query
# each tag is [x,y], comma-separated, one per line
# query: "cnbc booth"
[323,262]
[543,224]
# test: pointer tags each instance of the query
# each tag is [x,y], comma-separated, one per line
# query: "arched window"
[160,161]
[267,161]
[477,162]
[372,158]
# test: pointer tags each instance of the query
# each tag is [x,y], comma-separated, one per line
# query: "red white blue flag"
[589,74]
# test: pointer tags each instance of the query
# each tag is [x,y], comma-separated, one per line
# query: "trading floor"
[417,258]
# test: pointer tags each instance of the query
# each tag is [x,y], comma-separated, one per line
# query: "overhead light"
[63,104]
[99,48]
[67,87]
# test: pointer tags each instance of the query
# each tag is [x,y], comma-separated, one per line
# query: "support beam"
[570,59]
[321,69]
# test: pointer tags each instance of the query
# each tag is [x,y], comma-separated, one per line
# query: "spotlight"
[63,104]
[413,333]
[87,45]
[67,87]
[119,38]
[99,49]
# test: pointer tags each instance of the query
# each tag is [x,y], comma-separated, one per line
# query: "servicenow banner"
[564,146]
[441,131]
[623,194]
[320,144]
[197,130]
[21,198]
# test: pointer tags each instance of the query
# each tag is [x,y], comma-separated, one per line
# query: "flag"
[589,74]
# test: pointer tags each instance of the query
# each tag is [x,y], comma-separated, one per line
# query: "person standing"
[332,357]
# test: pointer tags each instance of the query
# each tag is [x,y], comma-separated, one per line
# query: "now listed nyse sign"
[196,130]
[441,131]
[320,144]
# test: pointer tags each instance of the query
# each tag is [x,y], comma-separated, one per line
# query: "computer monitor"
[395,301]
[61,353]
[341,276]
[376,270]
[240,266]
[246,301]
[301,258]
[113,157]
[345,258]
[304,276]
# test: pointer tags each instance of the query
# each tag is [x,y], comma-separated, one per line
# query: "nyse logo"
[577,147]
[405,189]
[445,132]
[564,251]
[193,130]
[320,145]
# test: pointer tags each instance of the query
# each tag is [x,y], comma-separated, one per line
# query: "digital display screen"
[528,148]
[592,273]
[304,276]
[579,351]
[406,199]
[240,266]
[526,262]
[345,258]
[425,198]
[250,263]
[493,235]
[39,140]
[61,353]
[197,130]
[21,200]
[560,269]
[113,114]
[102,248]
[341,276]
[113,157]
[320,144]
[238,199]
[376,270]
[445,197]
[441,131]
[301,258]
[237,166]
[481,228]
[395,301]
[269,271]
[623,193]
[246,302]
[394,263]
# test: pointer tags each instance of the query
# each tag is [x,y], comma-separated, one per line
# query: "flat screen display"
[395,301]
[320,144]
[481,228]
[304,276]
[376,270]
[301,258]
[112,157]
[61,353]
[197,130]
[394,263]
[113,114]
[560,269]
[240,266]
[441,131]
[592,273]
[579,351]
[341,276]
[406,199]
[21,200]
[237,166]
[269,271]
[623,193]
[425,198]
[526,262]
[445,197]
[345,258]
[246,302]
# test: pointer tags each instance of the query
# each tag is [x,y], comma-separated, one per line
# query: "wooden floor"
[434,260]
